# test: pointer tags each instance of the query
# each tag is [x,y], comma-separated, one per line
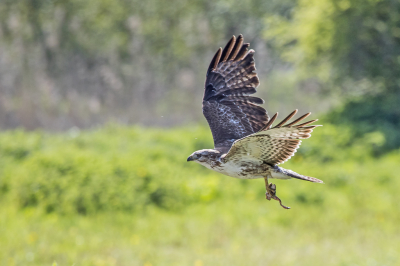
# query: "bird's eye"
[196,156]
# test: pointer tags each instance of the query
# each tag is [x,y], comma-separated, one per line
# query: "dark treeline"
[81,63]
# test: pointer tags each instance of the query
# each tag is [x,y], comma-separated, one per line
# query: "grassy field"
[127,196]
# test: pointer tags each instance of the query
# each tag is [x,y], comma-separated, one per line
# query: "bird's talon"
[271,194]
[272,188]
[268,196]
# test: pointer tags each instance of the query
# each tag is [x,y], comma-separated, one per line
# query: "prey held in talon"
[246,144]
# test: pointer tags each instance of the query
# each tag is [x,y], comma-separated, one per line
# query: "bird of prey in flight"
[246,144]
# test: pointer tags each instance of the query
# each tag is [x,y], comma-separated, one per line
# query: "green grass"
[127,196]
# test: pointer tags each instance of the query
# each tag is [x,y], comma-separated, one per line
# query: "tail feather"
[282,173]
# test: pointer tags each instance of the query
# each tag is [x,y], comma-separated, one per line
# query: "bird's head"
[203,155]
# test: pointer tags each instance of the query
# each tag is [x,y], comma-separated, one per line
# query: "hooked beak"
[190,159]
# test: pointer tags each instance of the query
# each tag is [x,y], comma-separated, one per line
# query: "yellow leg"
[271,192]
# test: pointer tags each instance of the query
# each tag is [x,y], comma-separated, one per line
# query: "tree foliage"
[353,45]
[80,63]
[343,39]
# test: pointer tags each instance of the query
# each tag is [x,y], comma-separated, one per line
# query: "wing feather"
[272,146]
[231,77]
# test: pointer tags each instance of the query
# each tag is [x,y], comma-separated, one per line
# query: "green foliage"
[370,115]
[114,168]
[342,39]
[114,195]
[127,169]
[353,45]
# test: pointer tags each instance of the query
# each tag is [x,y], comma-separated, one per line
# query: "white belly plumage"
[242,171]
[245,170]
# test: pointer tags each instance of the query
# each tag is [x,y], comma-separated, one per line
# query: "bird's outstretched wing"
[272,145]
[231,113]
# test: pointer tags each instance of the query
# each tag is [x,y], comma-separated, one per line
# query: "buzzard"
[246,145]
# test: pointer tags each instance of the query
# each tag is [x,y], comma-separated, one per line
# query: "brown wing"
[230,111]
[272,146]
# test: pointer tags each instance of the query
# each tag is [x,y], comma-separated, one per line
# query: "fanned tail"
[281,173]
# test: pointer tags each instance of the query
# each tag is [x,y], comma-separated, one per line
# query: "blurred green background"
[100,105]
